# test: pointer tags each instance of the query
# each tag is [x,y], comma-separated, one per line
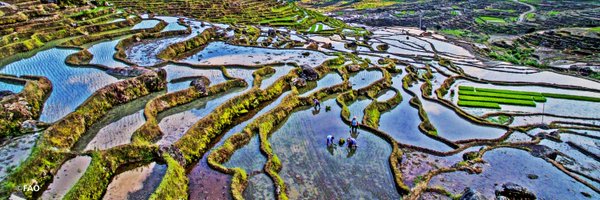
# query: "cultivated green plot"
[488,19]
[482,97]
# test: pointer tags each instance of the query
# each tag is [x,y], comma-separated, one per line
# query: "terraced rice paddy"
[247,127]
[77,83]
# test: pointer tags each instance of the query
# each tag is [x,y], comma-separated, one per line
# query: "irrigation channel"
[434,119]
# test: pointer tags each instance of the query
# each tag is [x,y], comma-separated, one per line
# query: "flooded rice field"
[137,183]
[147,23]
[468,133]
[221,53]
[364,78]
[73,85]
[539,176]
[14,152]
[313,171]
[68,174]
[104,54]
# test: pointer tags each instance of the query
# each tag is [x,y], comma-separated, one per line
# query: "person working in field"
[352,143]
[330,139]
[317,104]
[354,124]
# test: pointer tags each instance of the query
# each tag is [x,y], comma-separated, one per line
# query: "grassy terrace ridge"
[478,104]
[174,184]
[571,97]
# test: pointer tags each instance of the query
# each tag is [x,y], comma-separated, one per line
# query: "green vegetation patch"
[174,184]
[489,19]
[500,119]
[553,13]
[462,33]
[455,32]
[316,28]
[516,55]
[370,4]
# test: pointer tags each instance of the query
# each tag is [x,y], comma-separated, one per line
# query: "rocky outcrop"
[309,73]
[313,46]
[29,126]
[471,194]
[383,47]
[272,33]
[128,71]
[542,151]
[514,191]
[5,93]
[470,155]
[554,136]
[200,84]
[353,68]
[583,70]
[351,45]
[299,82]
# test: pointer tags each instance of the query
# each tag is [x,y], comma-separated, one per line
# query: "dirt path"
[523,15]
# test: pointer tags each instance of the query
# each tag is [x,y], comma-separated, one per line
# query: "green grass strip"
[312,28]
[466,88]
[508,91]
[571,97]
[498,100]
[478,104]
[502,95]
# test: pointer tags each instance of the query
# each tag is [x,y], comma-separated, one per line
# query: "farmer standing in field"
[354,125]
